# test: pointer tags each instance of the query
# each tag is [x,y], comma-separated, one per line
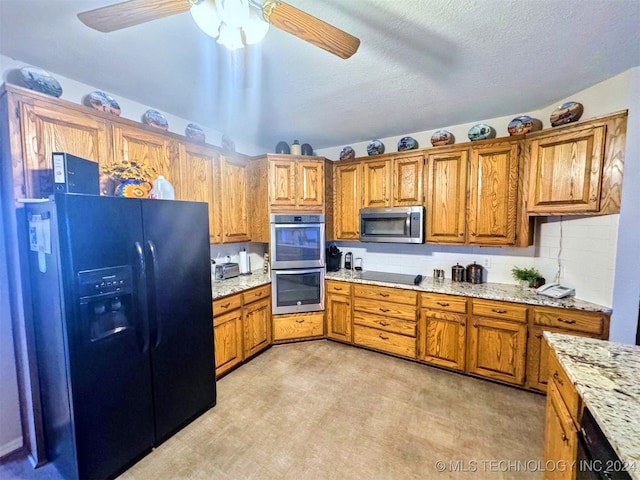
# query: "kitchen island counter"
[607,377]
[488,291]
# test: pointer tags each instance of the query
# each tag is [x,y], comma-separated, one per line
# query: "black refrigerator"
[121,292]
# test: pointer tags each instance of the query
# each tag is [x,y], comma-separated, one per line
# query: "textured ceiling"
[421,65]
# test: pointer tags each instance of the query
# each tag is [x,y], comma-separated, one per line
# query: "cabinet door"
[560,437]
[565,171]
[282,182]
[407,181]
[310,185]
[47,129]
[496,349]
[377,183]
[348,200]
[235,218]
[154,149]
[442,338]
[339,320]
[196,181]
[493,194]
[257,327]
[227,336]
[447,199]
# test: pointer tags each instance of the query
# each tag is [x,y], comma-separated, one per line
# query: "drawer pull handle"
[384,310]
[259,294]
[569,322]
[443,304]
[498,311]
[225,305]
[383,337]
[385,295]
[384,324]
[300,320]
[337,288]
[556,377]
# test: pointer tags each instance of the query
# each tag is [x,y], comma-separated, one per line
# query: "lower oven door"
[299,290]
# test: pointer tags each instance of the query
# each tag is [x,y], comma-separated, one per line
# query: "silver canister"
[458,273]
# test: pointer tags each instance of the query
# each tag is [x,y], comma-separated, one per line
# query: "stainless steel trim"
[315,307]
[296,218]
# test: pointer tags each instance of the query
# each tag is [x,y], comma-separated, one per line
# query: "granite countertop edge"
[606,375]
[488,291]
[222,288]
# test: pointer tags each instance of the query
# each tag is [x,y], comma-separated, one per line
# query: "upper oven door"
[297,245]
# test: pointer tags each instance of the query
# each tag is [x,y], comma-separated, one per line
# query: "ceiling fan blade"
[132,12]
[309,28]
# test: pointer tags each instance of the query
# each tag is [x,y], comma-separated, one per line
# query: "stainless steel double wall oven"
[297,252]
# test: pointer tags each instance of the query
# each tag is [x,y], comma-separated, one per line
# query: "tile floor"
[324,410]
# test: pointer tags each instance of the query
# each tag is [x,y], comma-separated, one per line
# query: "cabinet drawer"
[299,325]
[340,288]
[256,294]
[570,320]
[385,309]
[226,304]
[385,341]
[393,325]
[443,302]
[565,387]
[504,310]
[384,293]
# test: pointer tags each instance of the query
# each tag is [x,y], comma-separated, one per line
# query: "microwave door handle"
[407,226]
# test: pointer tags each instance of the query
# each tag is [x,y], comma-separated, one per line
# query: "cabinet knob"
[463,323]
[556,377]
[473,234]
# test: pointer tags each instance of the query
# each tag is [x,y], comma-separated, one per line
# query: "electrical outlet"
[486,262]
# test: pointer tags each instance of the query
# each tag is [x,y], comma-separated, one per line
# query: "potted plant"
[528,276]
[130,178]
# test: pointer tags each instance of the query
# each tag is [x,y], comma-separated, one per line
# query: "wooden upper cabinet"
[407,181]
[296,184]
[492,209]
[447,196]
[235,217]
[50,128]
[348,200]
[565,170]
[150,148]
[282,179]
[377,183]
[197,166]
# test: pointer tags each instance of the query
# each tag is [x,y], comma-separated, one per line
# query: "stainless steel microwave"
[392,225]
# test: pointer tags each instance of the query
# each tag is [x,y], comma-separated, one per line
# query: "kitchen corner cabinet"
[577,169]
[338,311]
[442,330]
[497,341]
[347,181]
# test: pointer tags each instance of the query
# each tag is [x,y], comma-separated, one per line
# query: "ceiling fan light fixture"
[206,17]
[255,29]
[234,13]
[230,37]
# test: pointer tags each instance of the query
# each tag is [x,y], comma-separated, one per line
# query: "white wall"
[588,243]
[255,252]
[75,92]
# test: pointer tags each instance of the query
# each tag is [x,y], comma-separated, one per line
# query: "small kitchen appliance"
[392,225]
[72,174]
[333,257]
[227,270]
[348,261]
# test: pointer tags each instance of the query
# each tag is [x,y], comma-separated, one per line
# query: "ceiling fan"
[279,14]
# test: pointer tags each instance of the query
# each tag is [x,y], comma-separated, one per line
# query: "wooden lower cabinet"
[228,336]
[496,349]
[561,437]
[241,327]
[338,311]
[298,326]
[442,330]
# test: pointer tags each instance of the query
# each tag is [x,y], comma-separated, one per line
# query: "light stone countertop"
[222,288]
[489,291]
[607,377]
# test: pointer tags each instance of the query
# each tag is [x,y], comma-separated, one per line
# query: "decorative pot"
[132,188]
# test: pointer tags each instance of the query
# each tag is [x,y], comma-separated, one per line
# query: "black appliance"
[123,324]
[596,458]
[333,257]
[73,174]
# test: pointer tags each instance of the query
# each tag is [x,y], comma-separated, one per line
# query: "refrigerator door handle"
[142,305]
[153,300]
